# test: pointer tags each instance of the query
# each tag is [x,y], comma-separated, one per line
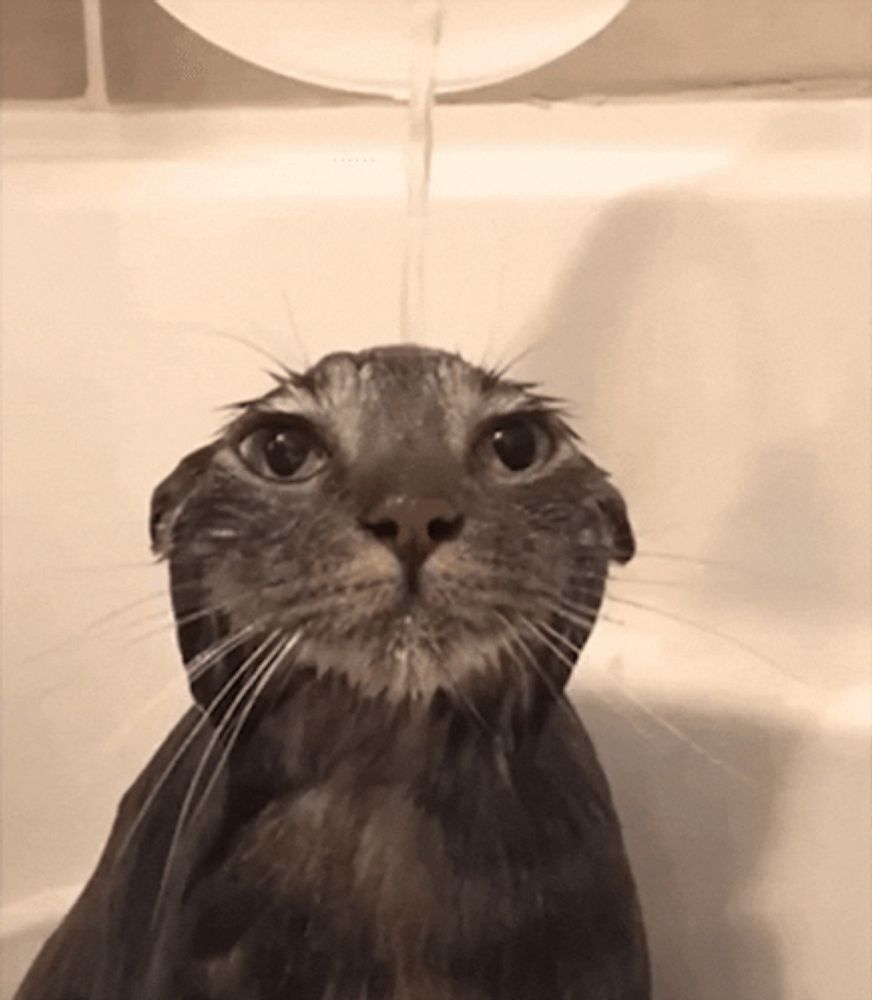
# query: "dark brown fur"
[410,810]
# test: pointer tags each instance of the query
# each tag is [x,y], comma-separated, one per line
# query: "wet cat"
[382,572]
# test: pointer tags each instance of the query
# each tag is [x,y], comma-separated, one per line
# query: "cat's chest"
[497,886]
[329,894]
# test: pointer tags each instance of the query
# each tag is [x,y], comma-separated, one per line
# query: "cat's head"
[397,516]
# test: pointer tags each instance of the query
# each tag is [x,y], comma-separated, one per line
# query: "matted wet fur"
[381,571]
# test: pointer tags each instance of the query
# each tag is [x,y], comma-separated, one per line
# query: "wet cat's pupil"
[515,445]
[285,451]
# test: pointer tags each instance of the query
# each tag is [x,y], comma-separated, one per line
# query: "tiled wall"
[655,46]
[42,49]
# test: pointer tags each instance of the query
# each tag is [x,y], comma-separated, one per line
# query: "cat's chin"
[406,661]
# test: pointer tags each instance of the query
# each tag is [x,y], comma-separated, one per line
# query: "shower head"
[362,46]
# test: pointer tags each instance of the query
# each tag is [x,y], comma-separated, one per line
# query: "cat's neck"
[325,729]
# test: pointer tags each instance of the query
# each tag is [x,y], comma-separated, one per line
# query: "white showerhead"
[362,45]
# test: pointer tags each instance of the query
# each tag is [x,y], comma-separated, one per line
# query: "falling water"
[425,32]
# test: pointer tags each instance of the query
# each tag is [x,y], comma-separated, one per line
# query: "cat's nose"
[412,527]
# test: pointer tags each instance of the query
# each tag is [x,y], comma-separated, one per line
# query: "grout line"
[96,96]
[823,90]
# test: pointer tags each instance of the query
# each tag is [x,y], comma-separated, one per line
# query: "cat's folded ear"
[168,499]
[619,533]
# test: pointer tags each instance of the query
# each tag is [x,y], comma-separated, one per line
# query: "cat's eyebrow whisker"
[266,649]
[295,330]
[210,331]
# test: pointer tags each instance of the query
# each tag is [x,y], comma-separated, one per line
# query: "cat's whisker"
[209,657]
[276,660]
[611,704]
[561,654]
[688,741]
[642,581]
[134,721]
[558,696]
[169,624]
[166,617]
[266,649]
[723,566]
[569,612]
[113,567]
[92,626]
[85,635]
[708,630]
[664,723]
[462,697]
[573,648]
[203,662]
[682,557]
[92,632]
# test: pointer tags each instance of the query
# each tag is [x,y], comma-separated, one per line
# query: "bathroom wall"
[654,47]
[693,277]
[691,274]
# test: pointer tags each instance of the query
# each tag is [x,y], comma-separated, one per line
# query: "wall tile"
[152,57]
[42,49]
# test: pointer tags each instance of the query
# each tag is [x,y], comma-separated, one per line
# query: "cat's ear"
[197,629]
[168,499]
[616,521]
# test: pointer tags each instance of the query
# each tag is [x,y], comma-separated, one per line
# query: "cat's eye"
[520,442]
[286,452]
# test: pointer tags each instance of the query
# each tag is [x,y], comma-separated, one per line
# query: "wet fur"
[412,810]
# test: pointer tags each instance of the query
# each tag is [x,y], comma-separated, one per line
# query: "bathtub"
[692,276]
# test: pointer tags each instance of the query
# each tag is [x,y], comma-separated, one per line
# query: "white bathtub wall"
[693,277]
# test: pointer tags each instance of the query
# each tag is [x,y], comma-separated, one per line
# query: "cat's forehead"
[402,383]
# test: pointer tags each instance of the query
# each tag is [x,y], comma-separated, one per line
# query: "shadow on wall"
[699,837]
[648,334]
[790,532]
[666,335]
[692,338]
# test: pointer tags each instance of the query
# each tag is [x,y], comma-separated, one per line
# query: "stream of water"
[425,24]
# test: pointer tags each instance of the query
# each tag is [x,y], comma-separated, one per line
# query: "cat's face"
[409,518]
